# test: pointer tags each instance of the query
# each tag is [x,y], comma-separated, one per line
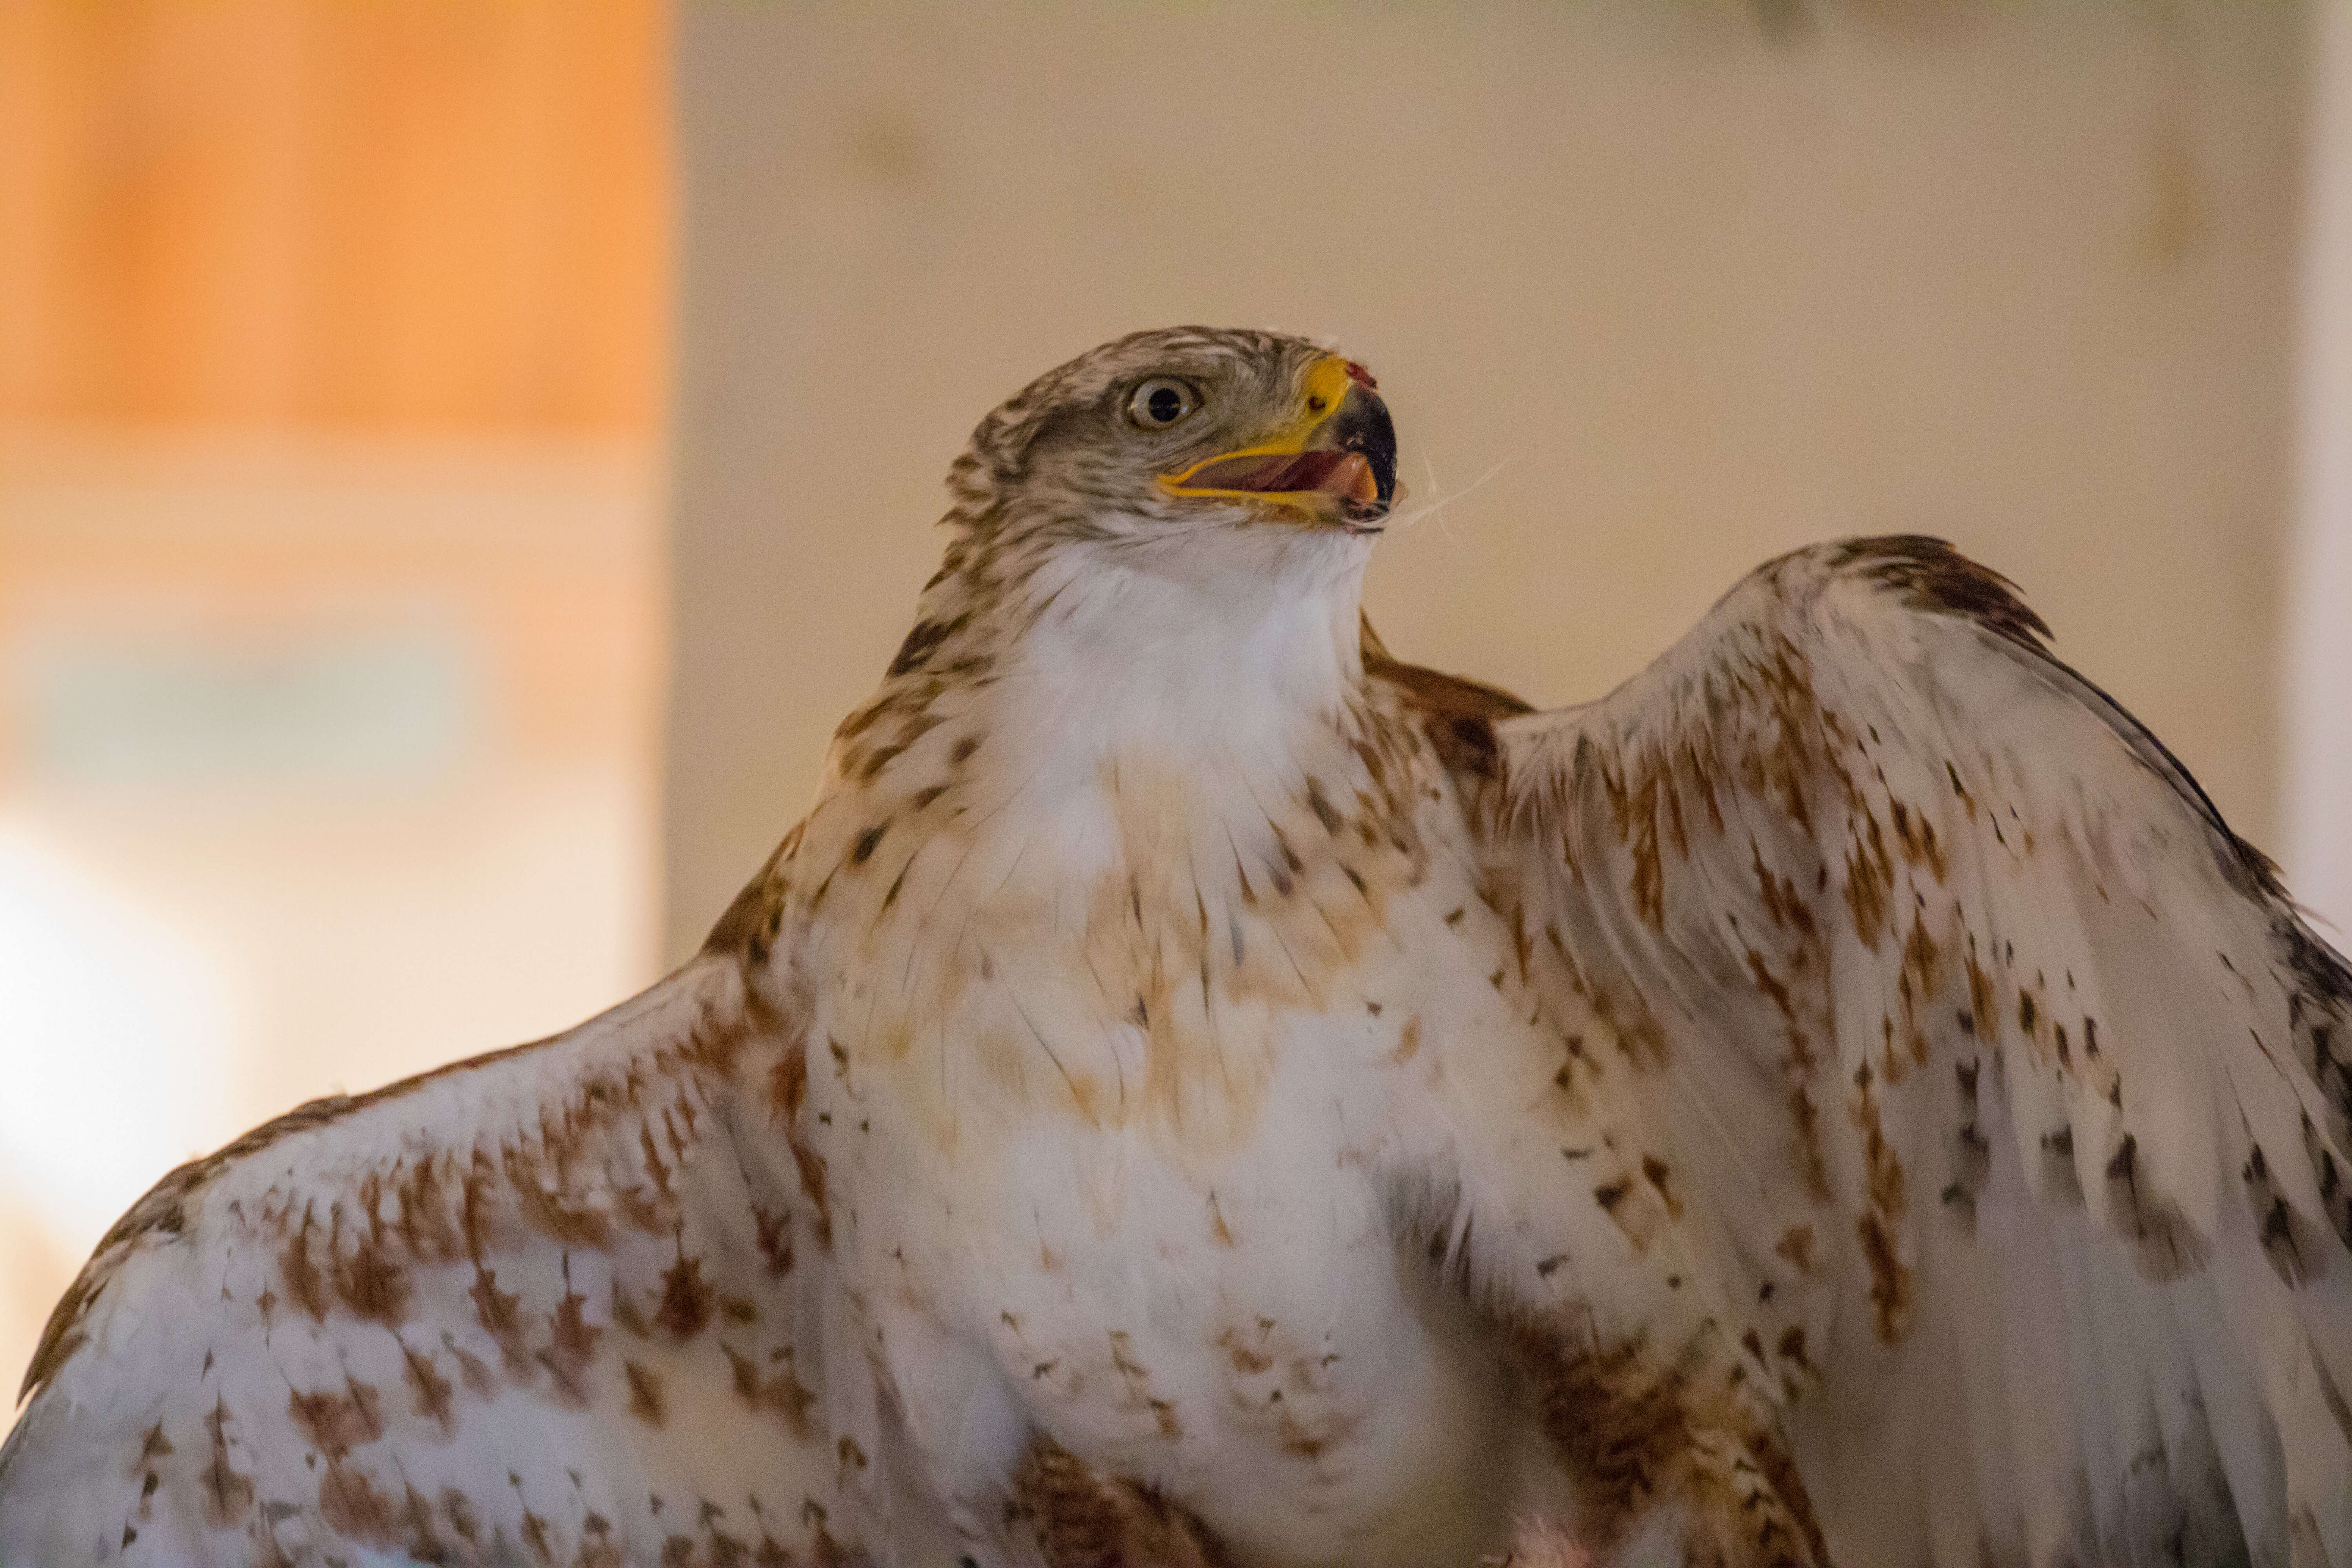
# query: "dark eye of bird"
[1162,402]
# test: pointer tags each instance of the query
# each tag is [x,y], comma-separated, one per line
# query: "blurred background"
[458,461]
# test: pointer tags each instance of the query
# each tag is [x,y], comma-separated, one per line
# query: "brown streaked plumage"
[1198,1090]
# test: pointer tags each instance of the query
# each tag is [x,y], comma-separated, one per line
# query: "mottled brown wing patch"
[445,1203]
[1457,715]
[1079,1518]
[1636,1433]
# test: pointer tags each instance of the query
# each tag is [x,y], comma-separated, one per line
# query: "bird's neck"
[1100,652]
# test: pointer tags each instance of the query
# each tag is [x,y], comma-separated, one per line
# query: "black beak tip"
[1364,426]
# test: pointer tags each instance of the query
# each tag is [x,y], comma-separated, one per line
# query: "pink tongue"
[1340,473]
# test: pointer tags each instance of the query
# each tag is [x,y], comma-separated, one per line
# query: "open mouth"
[1337,464]
[1328,471]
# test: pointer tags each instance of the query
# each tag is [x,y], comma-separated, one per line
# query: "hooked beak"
[1337,460]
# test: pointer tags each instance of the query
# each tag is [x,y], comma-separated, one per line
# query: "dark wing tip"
[1932,575]
[62,1335]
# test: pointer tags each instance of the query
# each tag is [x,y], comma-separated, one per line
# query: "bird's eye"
[1162,402]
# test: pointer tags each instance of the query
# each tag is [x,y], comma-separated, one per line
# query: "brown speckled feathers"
[1198,1091]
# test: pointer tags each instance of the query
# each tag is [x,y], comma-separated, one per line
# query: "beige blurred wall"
[1673,286]
[2316,833]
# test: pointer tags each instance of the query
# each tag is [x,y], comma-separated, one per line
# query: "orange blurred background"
[333,356]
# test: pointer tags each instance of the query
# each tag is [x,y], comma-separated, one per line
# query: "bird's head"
[1182,515]
[1187,438]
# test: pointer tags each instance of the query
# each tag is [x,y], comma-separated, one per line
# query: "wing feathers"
[547,1305]
[1964,978]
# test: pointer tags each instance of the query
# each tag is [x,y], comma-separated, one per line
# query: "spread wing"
[2007,1089]
[563,1304]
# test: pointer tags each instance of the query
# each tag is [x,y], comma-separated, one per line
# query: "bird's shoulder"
[1454,714]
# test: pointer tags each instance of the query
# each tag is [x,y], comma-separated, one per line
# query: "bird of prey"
[1198,1090]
